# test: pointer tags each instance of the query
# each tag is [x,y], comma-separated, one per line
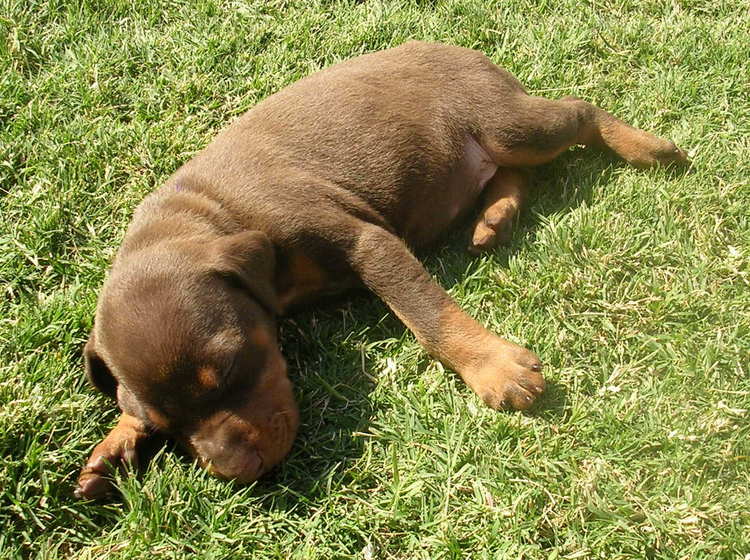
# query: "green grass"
[634,287]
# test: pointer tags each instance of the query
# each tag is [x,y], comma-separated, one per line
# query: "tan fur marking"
[260,337]
[117,450]
[306,276]
[503,374]
[502,200]
[461,339]
[526,157]
[207,377]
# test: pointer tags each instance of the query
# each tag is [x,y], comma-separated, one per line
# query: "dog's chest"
[301,279]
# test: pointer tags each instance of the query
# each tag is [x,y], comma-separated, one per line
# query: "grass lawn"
[633,287]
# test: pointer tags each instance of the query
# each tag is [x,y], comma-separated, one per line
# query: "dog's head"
[185,340]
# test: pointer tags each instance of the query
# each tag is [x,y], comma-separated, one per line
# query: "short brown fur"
[323,186]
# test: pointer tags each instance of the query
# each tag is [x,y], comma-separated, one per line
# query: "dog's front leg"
[503,374]
[117,451]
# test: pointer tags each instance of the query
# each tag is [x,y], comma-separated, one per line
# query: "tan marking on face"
[208,377]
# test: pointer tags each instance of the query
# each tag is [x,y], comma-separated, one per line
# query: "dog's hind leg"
[539,129]
[501,200]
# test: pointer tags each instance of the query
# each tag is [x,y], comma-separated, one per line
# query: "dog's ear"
[97,371]
[248,260]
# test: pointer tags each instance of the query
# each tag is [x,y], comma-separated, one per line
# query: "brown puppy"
[320,187]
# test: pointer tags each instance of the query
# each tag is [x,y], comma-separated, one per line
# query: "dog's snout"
[229,458]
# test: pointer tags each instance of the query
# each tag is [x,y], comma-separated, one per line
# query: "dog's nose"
[242,463]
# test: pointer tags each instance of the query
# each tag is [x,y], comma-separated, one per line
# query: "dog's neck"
[179,209]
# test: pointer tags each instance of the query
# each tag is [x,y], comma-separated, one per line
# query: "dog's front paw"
[510,379]
[118,451]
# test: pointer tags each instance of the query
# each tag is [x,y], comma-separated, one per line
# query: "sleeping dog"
[322,187]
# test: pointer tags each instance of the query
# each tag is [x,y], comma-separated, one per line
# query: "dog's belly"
[436,206]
